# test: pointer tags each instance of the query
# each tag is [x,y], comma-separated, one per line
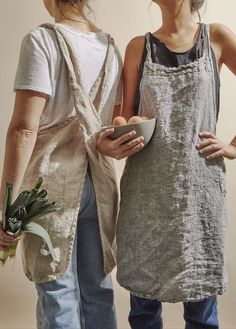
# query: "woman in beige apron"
[172,220]
[52,134]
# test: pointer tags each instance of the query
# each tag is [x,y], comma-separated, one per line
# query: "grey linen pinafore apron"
[171,226]
[61,156]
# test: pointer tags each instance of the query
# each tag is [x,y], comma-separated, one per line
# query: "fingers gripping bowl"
[142,127]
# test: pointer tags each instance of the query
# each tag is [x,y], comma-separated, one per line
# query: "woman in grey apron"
[172,220]
[52,134]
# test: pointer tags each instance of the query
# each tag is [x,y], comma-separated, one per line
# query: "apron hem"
[219,291]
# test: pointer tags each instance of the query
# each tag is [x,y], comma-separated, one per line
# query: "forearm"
[233,142]
[117,111]
[18,150]
[127,113]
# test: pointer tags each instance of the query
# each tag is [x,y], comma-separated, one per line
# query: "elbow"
[21,133]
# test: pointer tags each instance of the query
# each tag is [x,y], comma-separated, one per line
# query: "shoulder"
[136,44]
[38,34]
[221,34]
[41,39]
[219,30]
[223,41]
[134,51]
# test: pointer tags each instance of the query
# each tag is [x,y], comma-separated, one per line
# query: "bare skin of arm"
[223,42]
[20,141]
[132,62]
[117,111]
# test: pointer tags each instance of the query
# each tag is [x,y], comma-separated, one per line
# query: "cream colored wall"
[123,19]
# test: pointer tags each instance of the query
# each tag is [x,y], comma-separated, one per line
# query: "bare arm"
[117,111]
[20,141]
[21,137]
[132,61]
[223,41]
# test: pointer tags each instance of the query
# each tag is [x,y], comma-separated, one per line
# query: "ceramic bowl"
[145,128]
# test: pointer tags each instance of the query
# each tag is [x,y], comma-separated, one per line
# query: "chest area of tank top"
[164,56]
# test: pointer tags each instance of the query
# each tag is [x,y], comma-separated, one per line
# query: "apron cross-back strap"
[83,104]
[74,76]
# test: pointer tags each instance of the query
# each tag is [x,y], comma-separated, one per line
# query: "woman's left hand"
[211,147]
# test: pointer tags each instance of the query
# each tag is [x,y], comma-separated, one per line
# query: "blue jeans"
[147,314]
[83,296]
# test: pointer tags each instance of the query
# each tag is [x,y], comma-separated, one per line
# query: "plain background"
[124,19]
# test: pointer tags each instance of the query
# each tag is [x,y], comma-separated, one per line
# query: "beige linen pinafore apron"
[171,226]
[61,156]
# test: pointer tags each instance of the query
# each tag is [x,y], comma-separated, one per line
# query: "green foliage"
[20,216]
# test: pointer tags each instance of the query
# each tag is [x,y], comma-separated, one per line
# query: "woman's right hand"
[121,147]
[5,239]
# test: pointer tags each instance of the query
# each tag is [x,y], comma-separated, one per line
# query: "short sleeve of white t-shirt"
[41,68]
[33,66]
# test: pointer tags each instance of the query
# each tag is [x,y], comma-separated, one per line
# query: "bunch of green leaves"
[29,206]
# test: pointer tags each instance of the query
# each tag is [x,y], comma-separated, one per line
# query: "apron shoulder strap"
[207,42]
[148,47]
[64,50]
[68,52]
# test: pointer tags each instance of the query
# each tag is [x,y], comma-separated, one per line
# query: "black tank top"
[164,56]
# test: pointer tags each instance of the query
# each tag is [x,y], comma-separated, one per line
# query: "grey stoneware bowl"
[145,128]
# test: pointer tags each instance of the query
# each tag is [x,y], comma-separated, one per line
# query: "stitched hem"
[33,88]
[199,297]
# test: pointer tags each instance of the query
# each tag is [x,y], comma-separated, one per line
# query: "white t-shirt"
[41,68]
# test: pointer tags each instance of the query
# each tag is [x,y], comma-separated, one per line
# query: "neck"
[76,20]
[176,16]
[69,16]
